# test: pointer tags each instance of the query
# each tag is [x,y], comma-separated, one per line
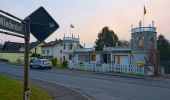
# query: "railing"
[84,49]
[70,38]
[113,68]
[125,48]
[143,29]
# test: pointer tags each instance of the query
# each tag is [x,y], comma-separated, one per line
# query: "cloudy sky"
[90,16]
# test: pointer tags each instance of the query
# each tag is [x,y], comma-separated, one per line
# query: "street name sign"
[42,25]
[11,25]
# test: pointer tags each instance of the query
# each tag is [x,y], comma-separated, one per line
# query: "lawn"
[13,90]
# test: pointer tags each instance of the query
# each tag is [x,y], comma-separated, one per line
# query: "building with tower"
[133,59]
[143,39]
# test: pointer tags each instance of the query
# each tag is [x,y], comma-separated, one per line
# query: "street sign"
[42,25]
[11,25]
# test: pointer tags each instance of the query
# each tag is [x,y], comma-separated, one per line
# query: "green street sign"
[11,25]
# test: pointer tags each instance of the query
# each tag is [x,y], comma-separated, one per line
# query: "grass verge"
[13,90]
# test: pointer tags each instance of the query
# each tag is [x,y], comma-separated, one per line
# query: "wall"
[50,51]
[12,57]
[56,52]
[38,49]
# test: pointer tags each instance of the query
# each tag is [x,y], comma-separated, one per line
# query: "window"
[43,51]
[71,46]
[83,58]
[61,44]
[152,42]
[140,42]
[64,47]
[70,57]
[47,51]
[93,57]
[60,51]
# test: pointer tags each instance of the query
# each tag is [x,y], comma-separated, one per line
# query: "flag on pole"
[145,11]
[71,26]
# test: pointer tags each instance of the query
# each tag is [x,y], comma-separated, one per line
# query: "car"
[41,64]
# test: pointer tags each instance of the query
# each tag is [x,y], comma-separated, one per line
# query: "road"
[99,87]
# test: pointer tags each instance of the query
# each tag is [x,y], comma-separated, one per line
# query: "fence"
[112,68]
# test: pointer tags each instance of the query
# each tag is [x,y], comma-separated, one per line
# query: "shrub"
[64,64]
[18,61]
[54,61]
[5,60]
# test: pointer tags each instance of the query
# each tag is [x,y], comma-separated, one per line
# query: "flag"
[144,10]
[71,26]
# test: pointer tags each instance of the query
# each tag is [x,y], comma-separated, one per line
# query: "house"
[14,51]
[130,59]
[61,49]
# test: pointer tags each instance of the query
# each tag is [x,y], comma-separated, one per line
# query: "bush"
[18,61]
[64,64]
[5,60]
[54,61]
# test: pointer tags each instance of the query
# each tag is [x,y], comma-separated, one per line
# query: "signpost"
[41,25]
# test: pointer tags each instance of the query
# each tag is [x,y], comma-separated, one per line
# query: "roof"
[16,46]
[12,46]
[34,44]
[52,43]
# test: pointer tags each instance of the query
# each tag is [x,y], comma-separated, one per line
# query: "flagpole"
[144,15]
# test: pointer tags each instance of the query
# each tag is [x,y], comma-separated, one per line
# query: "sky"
[90,16]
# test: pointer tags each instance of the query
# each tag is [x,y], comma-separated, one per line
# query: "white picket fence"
[113,68]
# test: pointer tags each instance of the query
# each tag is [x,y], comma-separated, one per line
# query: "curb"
[85,96]
[127,76]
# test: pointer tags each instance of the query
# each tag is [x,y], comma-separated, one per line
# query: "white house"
[61,49]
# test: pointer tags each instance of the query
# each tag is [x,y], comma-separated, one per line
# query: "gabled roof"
[12,46]
[52,43]
[16,46]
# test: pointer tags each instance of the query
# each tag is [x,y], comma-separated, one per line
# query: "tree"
[106,38]
[124,43]
[163,46]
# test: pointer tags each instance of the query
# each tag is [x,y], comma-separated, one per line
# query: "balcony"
[143,29]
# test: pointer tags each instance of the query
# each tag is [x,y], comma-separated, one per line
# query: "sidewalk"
[121,75]
[132,76]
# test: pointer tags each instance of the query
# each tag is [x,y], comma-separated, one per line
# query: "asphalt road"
[99,87]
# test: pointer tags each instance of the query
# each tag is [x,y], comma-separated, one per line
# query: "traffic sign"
[42,25]
[11,25]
